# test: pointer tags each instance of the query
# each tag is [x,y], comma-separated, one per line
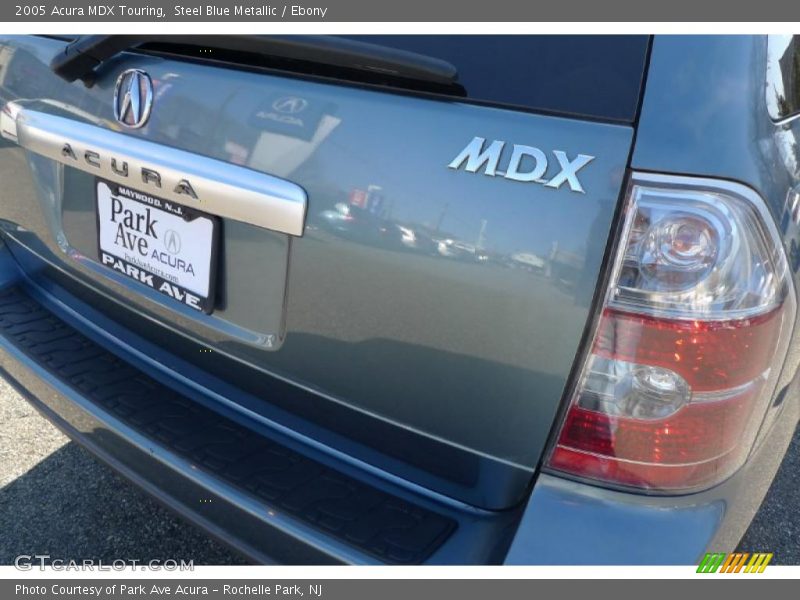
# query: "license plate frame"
[158,268]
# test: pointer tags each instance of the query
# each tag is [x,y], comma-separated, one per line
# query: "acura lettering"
[121,168]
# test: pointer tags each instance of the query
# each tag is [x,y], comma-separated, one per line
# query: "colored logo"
[736,562]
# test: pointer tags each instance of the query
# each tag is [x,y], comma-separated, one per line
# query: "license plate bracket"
[169,247]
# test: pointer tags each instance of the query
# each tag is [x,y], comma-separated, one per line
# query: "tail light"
[690,340]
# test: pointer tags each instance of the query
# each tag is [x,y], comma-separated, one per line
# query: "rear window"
[595,76]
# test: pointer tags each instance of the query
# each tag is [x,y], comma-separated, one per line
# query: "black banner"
[386,589]
[42,11]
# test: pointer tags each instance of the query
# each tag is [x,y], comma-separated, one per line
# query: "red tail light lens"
[689,343]
[709,355]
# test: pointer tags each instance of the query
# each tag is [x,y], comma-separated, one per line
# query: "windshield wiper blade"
[82,57]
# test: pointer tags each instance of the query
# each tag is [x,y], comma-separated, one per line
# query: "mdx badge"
[133,98]
[526,164]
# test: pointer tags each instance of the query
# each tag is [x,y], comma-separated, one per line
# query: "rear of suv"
[411,299]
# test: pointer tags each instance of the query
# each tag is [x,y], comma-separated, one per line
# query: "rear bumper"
[234,517]
[261,493]
[564,522]
[226,515]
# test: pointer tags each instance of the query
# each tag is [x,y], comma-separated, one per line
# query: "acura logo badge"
[290,105]
[133,98]
[172,241]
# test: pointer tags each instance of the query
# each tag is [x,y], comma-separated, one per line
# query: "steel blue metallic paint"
[430,317]
[565,525]
[430,330]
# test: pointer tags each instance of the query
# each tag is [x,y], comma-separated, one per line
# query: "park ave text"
[268,11]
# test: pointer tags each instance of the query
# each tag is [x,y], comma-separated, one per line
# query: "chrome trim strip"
[223,189]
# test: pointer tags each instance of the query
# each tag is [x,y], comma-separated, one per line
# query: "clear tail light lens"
[689,343]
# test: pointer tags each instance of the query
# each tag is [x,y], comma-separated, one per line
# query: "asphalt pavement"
[56,499]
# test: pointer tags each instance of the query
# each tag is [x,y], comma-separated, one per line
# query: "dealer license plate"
[166,246]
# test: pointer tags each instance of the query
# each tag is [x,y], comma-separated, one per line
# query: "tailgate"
[426,318]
